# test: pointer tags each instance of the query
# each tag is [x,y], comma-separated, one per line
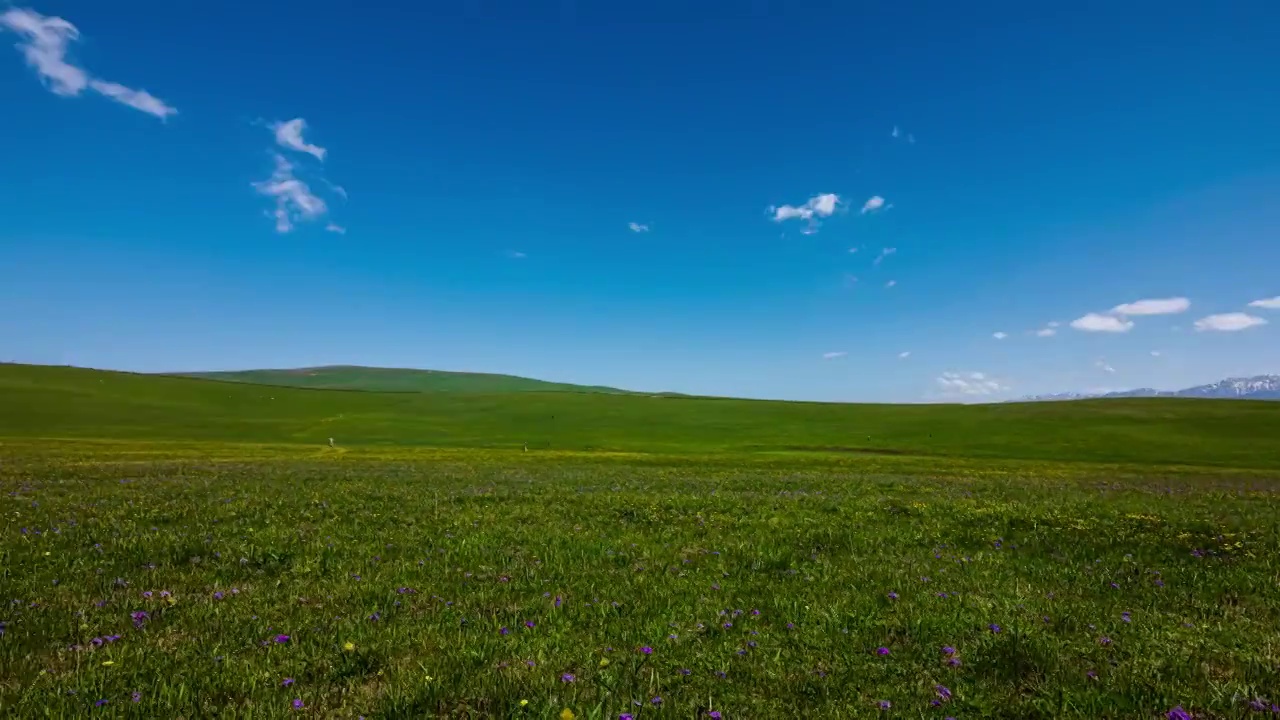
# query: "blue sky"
[651,195]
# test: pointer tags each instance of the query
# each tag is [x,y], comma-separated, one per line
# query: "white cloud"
[853,249]
[335,228]
[818,206]
[44,46]
[833,355]
[1267,303]
[516,255]
[873,203]
[1229,322]
[136,99]
[294,200]
[638,227]
[1093,322]
[973,383]
[1104,367]
[891,283]
[1160,306]
[45,49]
[884,253]
[1053,323]
[1046,332]
[895,132]
[1155,353]
[904,354]
[289,134]
[999,335]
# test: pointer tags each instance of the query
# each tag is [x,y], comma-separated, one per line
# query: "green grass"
[1158,532]
[58,402]
[355,377]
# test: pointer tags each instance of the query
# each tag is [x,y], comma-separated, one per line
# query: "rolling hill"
[376,379]
[62,402]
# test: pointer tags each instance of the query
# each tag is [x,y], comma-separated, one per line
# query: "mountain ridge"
[380,379]
[1255,387]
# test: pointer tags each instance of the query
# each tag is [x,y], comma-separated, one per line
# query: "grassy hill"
[61,402]
[355,377]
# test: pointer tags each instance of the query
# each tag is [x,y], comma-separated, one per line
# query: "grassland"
[184,548]
[374,379]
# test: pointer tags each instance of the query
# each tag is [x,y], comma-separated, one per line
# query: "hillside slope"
[51,402]
[355,377]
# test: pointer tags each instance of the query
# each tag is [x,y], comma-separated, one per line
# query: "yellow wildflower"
[567,714]
[349,646]
[523,703]
[604,662]
[109,662]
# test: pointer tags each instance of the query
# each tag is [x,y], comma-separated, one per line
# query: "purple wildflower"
[567,678]
[287,682]
[1104,640]
[218,595]
[626,716]
[1177,713]
[281,639]
[529,624]
[948,650]
[646,650]
[100,703]
[994,628]
[1125,616]
[893,596]
[714,715]
[882,651]
[136,696]
[791,626]
[146,594]
[884,704]
[657,701]
[503,631]
[953,662]
[686,672]
[558,601]
[944,693]
[139,617]
[1092,675]
[297,704]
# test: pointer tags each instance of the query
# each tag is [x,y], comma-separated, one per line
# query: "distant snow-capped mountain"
[1259,387]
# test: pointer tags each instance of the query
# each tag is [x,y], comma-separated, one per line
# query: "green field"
[658,557]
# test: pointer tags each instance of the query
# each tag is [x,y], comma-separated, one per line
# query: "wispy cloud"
[1046,332]
[818,206]
[904,354]
[1094,322]
[873,203]
[1157,306]
[638,227]
[884,253]
[289,135]
[897,134]
[1104,367]
[335,228]
[970,383]
[833,355]
[1228,322]
[891,283]
[44,45]
[1267,303]
[999,335]
[516,255]
[1155,353]
[294,200]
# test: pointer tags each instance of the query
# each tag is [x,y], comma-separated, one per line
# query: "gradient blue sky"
[1050,162]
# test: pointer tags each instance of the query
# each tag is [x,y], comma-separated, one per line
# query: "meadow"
[148,574]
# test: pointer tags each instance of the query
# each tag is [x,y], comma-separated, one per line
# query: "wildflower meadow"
[152,580]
